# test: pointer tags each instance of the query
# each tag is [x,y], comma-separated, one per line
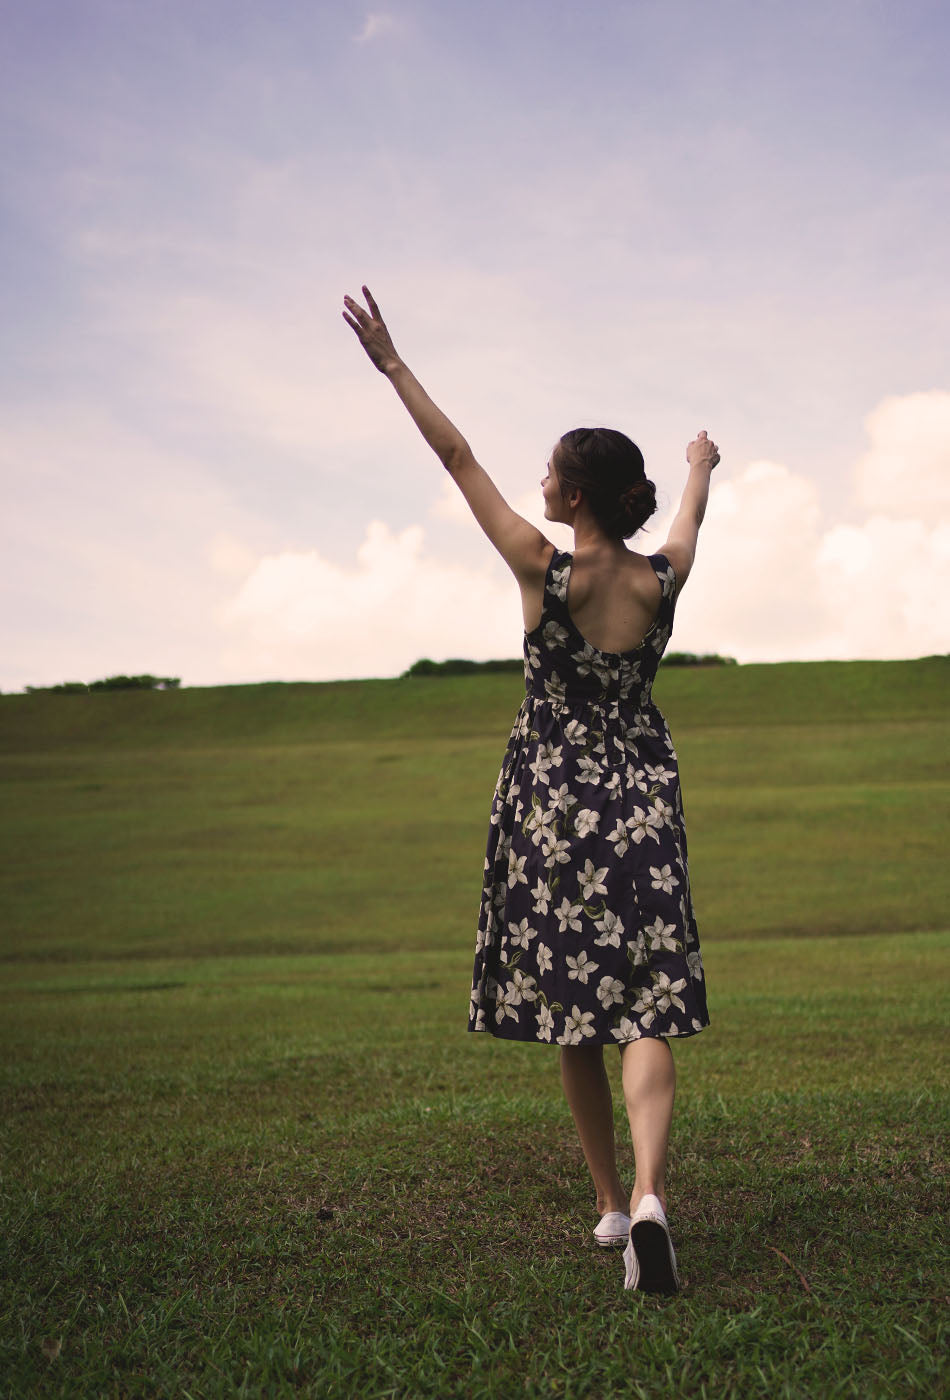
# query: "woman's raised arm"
[680,548]
[523,547]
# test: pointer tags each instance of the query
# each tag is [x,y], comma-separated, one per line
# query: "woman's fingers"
[355,309]
[362,316]
[374,309]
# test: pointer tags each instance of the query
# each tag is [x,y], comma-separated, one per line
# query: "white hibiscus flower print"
[555,689]
[642,824]
[581,967]
[639,950]
[547,757]
[588,770]
[507,999]
[619,837]
[584,659]
[586,822]
[516,873]
[661,935]
[629,677]
[560,798]
[521,934]
[665,992]
[577,1025]
[659,774]
[525,986]
[545,1023]
[538,824]
[558,584]
[556,853]
[609,992]
[543,958]
[610,929]
[667,580]
[591,880]
[541,894]
[554,635]
[569,916]
[644,1009]
[695,964]
[663,878]
[575,732]
[627,1030]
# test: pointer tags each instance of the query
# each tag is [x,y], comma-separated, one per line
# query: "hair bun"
[638,502]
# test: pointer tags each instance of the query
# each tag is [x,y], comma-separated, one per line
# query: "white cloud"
[773,581]
[377,23]
[139,560]
[906,469]
[298,610]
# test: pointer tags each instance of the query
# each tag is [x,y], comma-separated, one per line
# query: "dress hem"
[589,1039]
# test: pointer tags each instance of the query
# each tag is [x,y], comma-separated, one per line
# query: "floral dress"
[586,933]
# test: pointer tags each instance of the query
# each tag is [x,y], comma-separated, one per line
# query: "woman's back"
[613,598]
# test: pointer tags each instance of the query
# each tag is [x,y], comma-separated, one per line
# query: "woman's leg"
[587,1089]
[649,1084]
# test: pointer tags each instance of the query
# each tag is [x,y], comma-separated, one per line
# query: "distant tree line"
[110,683]
[458,666]
[692,658]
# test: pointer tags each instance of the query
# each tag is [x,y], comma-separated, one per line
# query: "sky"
[659,216]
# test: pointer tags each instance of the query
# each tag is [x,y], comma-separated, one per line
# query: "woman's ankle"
[612,1201]
[639,1193]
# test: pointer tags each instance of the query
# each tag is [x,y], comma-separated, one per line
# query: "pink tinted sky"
[661,216]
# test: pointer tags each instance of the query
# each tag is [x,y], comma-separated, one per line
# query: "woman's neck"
[589,538]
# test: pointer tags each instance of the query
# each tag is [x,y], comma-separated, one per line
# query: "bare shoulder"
[534,558]
[643,577]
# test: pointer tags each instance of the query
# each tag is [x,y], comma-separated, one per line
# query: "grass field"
[248,1148]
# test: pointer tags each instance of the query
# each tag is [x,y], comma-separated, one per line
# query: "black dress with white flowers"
[586,933]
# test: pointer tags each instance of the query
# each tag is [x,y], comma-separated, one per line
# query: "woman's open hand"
[702,452]
[371,332]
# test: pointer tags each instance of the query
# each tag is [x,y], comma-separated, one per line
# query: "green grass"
[248,1148]
[320,818]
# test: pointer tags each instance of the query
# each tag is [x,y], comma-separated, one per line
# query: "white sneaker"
[613,1230]
[649,1256]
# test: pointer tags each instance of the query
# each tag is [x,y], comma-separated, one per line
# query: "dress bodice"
[564,669]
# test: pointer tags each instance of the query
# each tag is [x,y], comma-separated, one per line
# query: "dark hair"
[609,469]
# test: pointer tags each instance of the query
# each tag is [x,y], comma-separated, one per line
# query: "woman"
[586,933]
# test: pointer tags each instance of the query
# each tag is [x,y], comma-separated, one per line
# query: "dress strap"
[555,582]
[666,574]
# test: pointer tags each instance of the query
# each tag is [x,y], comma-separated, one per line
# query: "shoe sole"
[651,1245]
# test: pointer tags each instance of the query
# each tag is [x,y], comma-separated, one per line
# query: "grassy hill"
[316,818]
[247,1148]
